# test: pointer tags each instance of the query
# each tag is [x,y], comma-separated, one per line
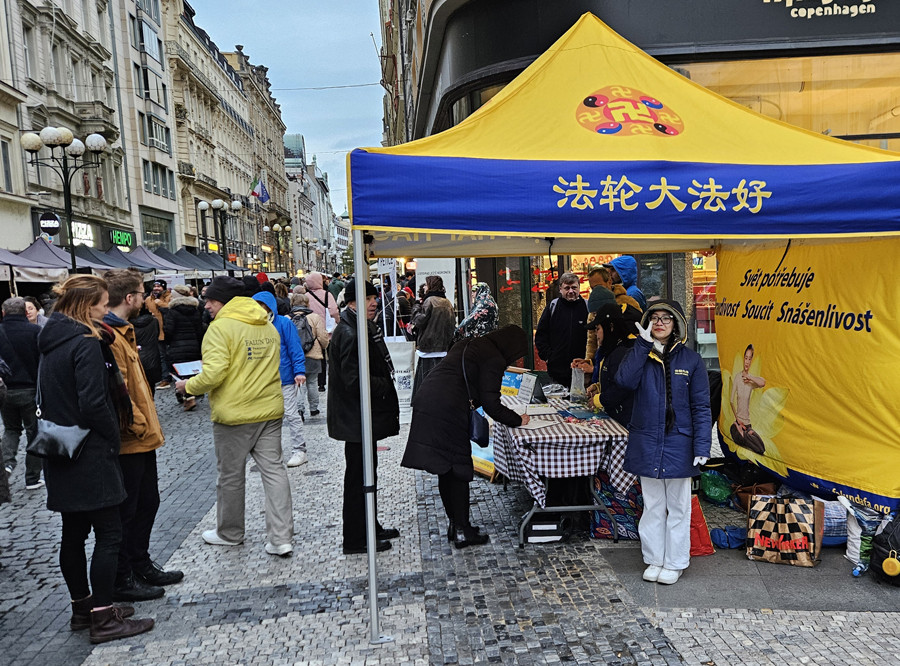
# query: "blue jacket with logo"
[293,360]
[652,451]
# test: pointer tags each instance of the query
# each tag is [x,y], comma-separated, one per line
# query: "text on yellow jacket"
[241,354]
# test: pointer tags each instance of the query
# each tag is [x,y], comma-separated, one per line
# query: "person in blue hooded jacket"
[670,435]
[624,270]
[293,375]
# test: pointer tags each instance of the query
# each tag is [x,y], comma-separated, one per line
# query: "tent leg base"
[381,640]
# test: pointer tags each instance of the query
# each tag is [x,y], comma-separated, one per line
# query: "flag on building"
[258,190]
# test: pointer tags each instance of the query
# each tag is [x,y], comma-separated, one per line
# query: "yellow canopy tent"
[596,141]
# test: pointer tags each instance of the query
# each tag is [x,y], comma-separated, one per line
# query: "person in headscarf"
[484,316]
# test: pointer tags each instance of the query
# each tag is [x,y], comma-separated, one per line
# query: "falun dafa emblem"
[626,111]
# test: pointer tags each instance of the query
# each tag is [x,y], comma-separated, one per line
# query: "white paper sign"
[386,266]
[445,268]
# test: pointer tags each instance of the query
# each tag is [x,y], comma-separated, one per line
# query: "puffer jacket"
[319,297]
[146,335]
[72,360]
[317,324]
[241,355]
[652,451]
[184,330]
[293,361]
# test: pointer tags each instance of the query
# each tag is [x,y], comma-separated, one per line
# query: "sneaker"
[284,550]
[8,469]
[164,385]
[298,459]
[314,412]
[132,589]
[212,537]
[36,485]
[651,573]
[669,576]
[321,389]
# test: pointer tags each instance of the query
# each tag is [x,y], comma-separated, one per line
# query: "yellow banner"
[809,347]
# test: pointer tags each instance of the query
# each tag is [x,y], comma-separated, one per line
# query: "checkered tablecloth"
[561,450]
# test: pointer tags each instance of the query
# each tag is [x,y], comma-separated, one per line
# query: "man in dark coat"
[560,336]
[345,412]
[19,348]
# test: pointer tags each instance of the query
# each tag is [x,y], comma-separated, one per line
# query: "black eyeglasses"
[661,319]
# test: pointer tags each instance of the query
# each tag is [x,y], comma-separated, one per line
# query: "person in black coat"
[86,491]
[146,335]
[184,329]
[560,336]
[345,412]
[18,346]
[439,435]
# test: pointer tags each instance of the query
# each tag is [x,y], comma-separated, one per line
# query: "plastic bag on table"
[576,390]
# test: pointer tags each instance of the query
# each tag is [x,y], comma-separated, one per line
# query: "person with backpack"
[325,305]
[560,335]
[314,340]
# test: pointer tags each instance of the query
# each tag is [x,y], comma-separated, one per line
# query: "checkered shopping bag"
[785,530]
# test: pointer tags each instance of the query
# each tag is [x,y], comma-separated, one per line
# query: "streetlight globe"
[266,228]
[218,204]
[287,227]
[236,205]
[95,143]
[65,136]
[276,227]
[203,205]
[313,240]
[75,148]
[50,136]
[31,142]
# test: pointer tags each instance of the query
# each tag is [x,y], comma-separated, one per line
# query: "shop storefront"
[827,67]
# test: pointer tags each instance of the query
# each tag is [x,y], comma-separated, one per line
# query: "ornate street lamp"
[70,147]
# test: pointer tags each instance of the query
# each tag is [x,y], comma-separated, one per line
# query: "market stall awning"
[120,259]
[27,270]
[195,269]
[597,146]
[217,260]
[51,255]
[144,255]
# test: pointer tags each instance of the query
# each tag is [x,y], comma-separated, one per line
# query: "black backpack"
[882,545]
[304,330]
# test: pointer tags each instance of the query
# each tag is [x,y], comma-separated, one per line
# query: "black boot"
[109,624]
[81,613]
[469,536]
[131,589]
[151,573]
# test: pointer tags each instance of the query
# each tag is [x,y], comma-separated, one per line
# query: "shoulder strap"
[465,378]
[553,306]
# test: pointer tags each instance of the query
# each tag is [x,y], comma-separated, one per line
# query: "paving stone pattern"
[577,602]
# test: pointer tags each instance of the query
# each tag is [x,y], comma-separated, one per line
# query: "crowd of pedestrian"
[261,352]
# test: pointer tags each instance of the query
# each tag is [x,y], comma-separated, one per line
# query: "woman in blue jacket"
[670,434]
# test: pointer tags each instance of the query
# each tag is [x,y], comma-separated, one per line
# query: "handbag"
[54,441]
[479,428]
[785,530]
[742,494]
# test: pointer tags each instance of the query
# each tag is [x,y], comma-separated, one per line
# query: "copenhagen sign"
[817,8]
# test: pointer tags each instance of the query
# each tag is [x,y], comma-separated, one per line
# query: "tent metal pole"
[361,269]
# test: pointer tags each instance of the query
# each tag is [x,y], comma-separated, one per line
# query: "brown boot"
[81,613]
[189,403]
[108,624]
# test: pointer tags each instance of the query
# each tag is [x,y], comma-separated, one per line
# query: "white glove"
[700,460]
[644,332]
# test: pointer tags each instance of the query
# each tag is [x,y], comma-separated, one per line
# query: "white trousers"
[293,419]
[665,526]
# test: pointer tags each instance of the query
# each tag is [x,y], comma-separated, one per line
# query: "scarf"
[115,382]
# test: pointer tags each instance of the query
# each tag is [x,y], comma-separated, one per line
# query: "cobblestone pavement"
[577,602]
